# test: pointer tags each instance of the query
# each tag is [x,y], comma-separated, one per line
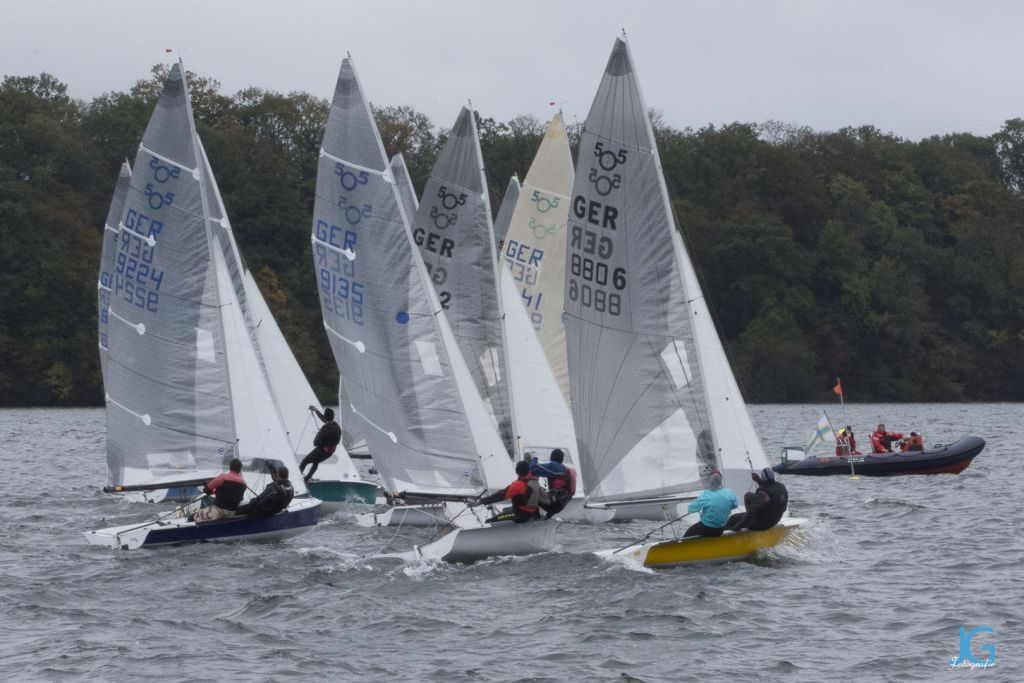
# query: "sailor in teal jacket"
[714,505]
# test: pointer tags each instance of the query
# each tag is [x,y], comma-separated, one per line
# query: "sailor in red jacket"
[846,443]
[881,440]
[228,489]
[525,494]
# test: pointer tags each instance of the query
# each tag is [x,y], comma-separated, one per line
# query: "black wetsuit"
[764,508]
[275,497]
[324,445]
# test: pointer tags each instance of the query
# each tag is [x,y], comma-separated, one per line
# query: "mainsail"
[508,205]
[534,248]
[184,384]
[108,263]
[638,394]
[404,384]
[455,235]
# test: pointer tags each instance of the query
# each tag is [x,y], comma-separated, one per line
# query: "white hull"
[653,510]
[577,512]
[300,517]
[458,514]
[470,545]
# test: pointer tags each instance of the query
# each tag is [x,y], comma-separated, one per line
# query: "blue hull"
[240,528]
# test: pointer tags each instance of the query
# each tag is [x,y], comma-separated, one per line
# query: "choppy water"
[876,588]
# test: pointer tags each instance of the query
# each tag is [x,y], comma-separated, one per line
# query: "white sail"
[534,248]
[185,385]
[739,448]
[108,261]
[455,235]
[289,390]
[508,205]
[169,411]
[403,382]
[542,415]
[638,396]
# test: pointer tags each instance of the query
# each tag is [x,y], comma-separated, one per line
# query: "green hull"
[343,491]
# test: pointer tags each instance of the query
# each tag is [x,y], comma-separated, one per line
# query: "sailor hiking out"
[526,496]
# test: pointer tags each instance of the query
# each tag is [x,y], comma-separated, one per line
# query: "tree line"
[897,265]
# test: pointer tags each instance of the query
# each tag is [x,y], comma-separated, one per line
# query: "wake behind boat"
[949,459]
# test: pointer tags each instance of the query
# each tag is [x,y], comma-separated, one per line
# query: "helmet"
[767,474]
[328,414]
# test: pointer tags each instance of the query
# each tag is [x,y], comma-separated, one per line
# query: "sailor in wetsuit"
[275,497]
[561,482]
[324,443]
[228,489]
[764,507]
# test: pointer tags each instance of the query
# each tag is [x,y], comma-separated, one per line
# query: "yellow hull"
[727,547]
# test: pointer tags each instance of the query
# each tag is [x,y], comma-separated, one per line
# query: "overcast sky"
[915,68]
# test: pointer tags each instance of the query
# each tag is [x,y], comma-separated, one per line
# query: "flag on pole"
[838,388]
[822,434]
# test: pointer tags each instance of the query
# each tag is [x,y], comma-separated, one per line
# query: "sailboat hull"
[336,494]
[951,459]
[578,512]
[728,547]
[300,517]
[428,515]
[466,546]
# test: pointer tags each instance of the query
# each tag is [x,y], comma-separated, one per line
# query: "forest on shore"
[897,265]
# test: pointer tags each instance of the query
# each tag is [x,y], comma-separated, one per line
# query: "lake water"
[876,588]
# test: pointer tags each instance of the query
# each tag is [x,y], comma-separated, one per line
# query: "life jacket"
[564,482]
[914,443]
[778,500]
[843,446]
[328,438]
[528,500]
[228,495]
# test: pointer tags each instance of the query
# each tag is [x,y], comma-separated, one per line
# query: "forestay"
[403,383]
[455,235]
[638,395]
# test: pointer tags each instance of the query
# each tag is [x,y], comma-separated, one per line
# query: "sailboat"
[404,383]
[644,360]
[455,235]
[186,388]
[532,287]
